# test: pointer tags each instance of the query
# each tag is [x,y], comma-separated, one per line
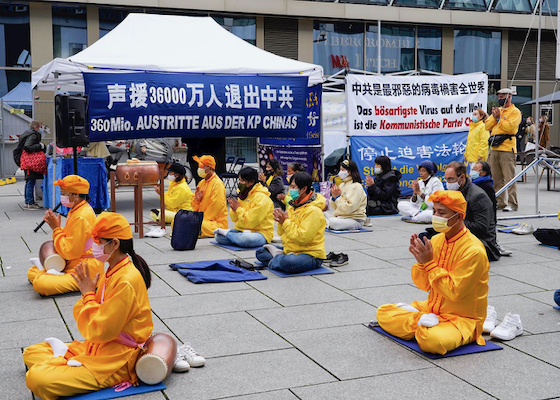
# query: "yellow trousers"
[208,227]
[49,285]
[439,339]
[50,378]
[169,216]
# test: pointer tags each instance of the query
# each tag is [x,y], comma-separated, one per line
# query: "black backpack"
[186,227]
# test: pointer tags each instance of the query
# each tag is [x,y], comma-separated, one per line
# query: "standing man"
[503,124]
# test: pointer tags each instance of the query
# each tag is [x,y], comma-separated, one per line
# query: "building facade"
[445,36]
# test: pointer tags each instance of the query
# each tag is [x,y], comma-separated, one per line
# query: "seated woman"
[252,214]
[419,209]
[383,191]
[115,320]
[179,195]
[292,169]
[73,242]
[349,200]
[302,229]
[272,179]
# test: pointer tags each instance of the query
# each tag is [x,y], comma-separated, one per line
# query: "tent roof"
[20,95]
[549,98]
[166,43]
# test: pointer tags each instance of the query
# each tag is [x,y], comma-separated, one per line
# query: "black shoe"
[155,211]
[330,258]
[340,261]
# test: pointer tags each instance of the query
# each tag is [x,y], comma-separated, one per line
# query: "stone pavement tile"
[14,284]
[334,242]
[533,274]
[367,278]
[67,300]
[534,247]
[184,286]
[358,261]
[402,385]
[25,306]
[544,346]
[395,253]
[299,290]
[210,303]
[500,285]
[390,294]
[246,374]
[546,297]
[519,258]
[389,238]
[315,316]
[536,317]
[361,352]
[274,395]
[25,333]
[169,256]
[505,374]
[404,262]
[12,370]
[160,288]
[226,334]
[148,396]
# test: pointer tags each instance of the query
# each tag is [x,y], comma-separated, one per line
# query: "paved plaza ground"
[303,337]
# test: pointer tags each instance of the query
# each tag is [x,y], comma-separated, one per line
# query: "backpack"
[186,227]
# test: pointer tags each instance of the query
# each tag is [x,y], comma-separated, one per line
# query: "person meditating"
[349,200]
[453,269]
[210,197]
[302,229]
[272,179]
[252,213]
[115,320]
[72,242]
[178,196]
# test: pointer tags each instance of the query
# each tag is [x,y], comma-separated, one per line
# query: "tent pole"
[53,203]
[2,136]
[538,139]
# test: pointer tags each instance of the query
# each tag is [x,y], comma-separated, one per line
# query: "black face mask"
[501,102]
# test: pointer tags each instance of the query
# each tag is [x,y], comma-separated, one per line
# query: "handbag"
[186,227]
[497,140]
[36,162]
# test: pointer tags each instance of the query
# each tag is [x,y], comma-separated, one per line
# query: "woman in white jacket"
[349,200]
[419,209]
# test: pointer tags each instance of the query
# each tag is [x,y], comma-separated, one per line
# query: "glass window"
[338,45]
[397,48]
[69,30]
[477,50]
[550,7]
[467,4]
[418,3]
[520,6]
[111,17]
[15,53]
[429,49]
[244,28]
[242,147]
[524,94]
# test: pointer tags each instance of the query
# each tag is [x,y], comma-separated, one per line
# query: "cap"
[505,91]
[177,168]
[205,160]
[73,184]
[429,165]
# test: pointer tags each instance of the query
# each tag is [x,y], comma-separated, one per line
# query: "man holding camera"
[503,125]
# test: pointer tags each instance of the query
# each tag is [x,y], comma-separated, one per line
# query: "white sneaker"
[509,328]
[368,223]
[181,365]
[490,322]
[221,231]
[503,251]
[156,232]
[523,229]
[509,208]
[188,354]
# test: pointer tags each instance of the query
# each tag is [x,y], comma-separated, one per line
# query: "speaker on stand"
[72,129]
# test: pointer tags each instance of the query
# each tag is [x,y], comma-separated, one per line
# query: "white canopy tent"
[166,43]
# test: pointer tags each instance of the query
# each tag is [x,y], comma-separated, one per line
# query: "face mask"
[65,200]
[241,186]
[378,170]
[201,172]
[540,119]
[475,175]
[41,130]
[440,223]
[171,177]
[294,194]
[453,185]
[343,175]
[268,173]
[501,102]
[474,119]
[98,253]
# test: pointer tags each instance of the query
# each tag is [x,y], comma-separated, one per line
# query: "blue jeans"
[242,239]
[557,297]
[289,263]
[29,191]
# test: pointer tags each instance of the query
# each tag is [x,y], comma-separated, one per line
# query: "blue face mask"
[475,175]
[475,119]
[294,194]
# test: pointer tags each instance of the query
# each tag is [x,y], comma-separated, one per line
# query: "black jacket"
[480,219]
[276,187]
[383,195]
[488,187]
[30,141]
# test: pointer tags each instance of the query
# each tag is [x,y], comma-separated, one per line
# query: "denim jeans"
[242,239]
[289,263]
[557,297]
[29,191]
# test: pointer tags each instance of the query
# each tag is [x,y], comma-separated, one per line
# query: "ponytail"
[140,264]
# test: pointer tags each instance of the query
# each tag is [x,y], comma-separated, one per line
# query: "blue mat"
[556,307]
[216,271]
[234,247]
[508,229]
[316,271]
[384,215]
[548,245]
[465,349]
[110,393]
[349,231]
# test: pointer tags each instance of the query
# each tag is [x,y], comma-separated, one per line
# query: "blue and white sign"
[149,104]
[406,152]
[312,135]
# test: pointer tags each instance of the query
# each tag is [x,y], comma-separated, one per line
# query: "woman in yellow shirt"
[115,321]
[477,140]
[179,195]
[72,242]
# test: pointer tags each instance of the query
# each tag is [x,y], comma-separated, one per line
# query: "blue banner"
[149,104]
[313,130]
[406,152]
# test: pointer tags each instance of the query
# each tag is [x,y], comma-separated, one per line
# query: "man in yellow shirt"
[210,197]
[453,268]
[504,124]
[302,229]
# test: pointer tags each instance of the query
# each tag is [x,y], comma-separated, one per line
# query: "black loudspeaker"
[72,129]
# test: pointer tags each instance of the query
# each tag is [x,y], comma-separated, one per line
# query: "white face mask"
[171,177]
[343,174]
[201,172]
[378,170]
[453,185]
